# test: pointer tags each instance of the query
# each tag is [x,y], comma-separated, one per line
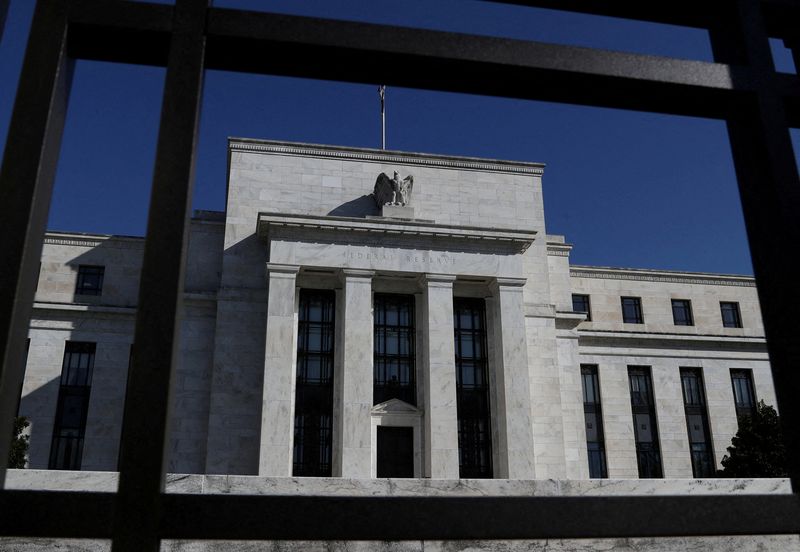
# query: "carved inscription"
[441,259]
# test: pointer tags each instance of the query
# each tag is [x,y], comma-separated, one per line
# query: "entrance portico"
[350,253]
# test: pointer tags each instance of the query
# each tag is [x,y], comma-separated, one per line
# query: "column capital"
[277,269]
[350,273]
[437,280]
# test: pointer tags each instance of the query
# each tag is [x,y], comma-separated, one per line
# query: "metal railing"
[740,87]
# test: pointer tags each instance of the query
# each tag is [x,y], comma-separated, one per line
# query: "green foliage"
[19,444]
[757,450]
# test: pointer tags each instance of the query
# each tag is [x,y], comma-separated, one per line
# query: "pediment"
[396,406]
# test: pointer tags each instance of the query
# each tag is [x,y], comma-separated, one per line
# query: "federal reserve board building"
[363,321]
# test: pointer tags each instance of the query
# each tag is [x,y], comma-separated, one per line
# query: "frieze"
[443,260]
[666,277]
[461,163]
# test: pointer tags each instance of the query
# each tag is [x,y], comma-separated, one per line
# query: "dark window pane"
[90,280]
[394,354]
[731,316]
[682,312]
[580,303]
[472,389]
[648,454]
[313,420]
[744,395]
[694,403]
[632,310]
[72,407]
[593,414]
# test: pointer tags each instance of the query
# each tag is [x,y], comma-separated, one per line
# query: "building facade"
[367,314]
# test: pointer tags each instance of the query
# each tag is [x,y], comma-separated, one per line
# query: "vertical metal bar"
[793,44]
[770,191]
[3,14]
[26,185]
[146,419]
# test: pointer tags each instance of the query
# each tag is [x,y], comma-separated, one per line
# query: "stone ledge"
[332,486]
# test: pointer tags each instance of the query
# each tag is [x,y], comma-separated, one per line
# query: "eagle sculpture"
[393,191]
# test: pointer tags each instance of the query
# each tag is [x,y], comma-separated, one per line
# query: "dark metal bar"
[3,15]
[359,52]
[417,518]
[769,186]
[26,184]
[146,418]
[104,31]
[782,17]
[56,514]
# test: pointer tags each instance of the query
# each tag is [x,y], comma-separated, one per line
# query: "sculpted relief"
[393,191]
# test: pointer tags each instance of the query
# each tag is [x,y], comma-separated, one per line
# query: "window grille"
[394,363]
[472,389]
[645,426]
[593,413]
[72,406]
[698,428]
[313,410]
[90,280]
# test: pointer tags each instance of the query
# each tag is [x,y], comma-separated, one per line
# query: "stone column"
[439,378]
[353,376]
[280,357]
[512,393]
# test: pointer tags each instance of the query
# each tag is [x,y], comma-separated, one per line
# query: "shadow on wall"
[359,207]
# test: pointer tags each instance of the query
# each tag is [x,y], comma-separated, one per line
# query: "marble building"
[366,314]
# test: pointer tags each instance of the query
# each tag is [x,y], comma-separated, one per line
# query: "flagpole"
[382,92]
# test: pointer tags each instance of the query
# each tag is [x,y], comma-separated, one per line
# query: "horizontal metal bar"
[267,43]
[404,518]
[359,52]
[56,514]
[119,31]
[782,17]
[237,517]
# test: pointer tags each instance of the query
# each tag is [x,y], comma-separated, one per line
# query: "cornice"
[382,156]
[558,249]
[93,240]
[666,276]
[521,239]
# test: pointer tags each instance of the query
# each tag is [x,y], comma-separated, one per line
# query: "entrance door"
[395,451]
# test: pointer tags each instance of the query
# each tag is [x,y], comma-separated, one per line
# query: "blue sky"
[628,189]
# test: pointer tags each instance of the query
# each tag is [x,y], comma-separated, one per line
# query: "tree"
[19,444]
[757,450]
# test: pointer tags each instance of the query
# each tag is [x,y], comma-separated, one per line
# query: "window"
[632,310]
[472,389]
[648,453]
[731,316]
[744,395]
[694,405]
[313,414]
[593,413]
[682,312]
[66,448]
[90,280]
[580,303]
[393,361]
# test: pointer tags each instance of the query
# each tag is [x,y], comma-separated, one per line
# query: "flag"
[382,92]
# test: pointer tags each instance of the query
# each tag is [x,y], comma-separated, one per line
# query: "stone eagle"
[393,191]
